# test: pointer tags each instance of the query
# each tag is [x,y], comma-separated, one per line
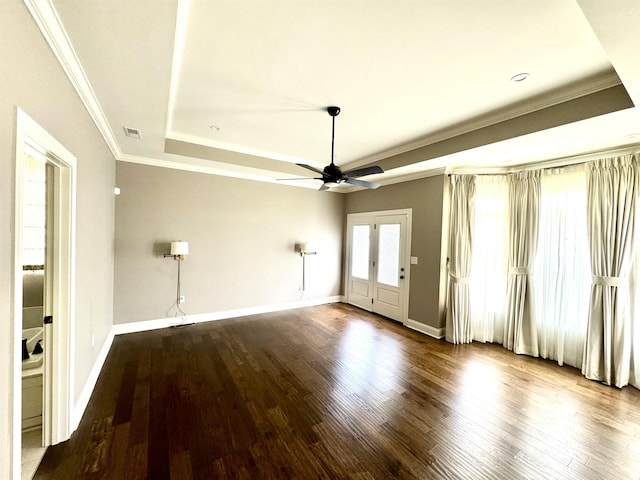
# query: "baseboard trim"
[145,325]
[426,329]
[85,395]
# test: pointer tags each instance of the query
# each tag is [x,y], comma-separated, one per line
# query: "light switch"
[414,260]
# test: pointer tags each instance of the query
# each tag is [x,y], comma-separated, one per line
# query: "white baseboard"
[426,329]
[133,327]
[89,385]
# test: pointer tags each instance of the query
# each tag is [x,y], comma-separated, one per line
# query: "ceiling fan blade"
[323,187]
[361,172]
[362,183]
[297,178]
[309,167]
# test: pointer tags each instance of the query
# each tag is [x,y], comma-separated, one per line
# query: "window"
[34,210]
[389,253]
[562,269]
[360,252]
[489,262]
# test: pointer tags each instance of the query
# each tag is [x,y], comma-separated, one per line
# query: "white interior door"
[48,310]
[389,267]
[378,263]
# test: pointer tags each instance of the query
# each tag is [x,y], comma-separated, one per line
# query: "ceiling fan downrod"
[333,111]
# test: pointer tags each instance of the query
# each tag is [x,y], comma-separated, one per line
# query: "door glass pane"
[360,252]
[388,253]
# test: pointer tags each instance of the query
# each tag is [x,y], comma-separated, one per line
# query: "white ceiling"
[424,85]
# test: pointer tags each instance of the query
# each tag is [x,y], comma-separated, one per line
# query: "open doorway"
[43,292]
[36,291]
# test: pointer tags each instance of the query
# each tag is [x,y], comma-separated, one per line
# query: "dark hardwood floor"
[335,392]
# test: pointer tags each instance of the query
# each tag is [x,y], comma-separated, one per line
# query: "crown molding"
[406,177]
[633,149]
[178,165]
[207,142]
[343,188]
[433,172]
[50,25]
[189,167]
[540,102]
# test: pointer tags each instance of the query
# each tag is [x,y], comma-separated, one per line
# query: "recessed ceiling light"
[215,128]
[520,77]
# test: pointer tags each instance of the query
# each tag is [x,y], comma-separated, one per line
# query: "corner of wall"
[444,252]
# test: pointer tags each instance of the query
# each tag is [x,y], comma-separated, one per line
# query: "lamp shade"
[179,248]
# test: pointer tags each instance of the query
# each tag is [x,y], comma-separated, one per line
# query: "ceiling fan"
[332,174]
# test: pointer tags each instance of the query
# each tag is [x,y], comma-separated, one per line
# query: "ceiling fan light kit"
[333,174]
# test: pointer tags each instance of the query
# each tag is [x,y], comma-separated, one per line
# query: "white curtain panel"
[562,278]
[520,333]
[458,328]
[489,262]
[612,196]
[634,376]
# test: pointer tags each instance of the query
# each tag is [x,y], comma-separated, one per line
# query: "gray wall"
[32,298]
[425,197]
[241,238]
[32,288]
[32,79]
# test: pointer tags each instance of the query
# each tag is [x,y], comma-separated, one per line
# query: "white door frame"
[58,383]
[353,218]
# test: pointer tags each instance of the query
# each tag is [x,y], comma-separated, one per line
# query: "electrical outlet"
[181,299]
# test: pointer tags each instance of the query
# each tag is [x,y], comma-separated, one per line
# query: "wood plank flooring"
[334,392]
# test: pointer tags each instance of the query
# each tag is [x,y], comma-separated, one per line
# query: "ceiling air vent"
[131,132]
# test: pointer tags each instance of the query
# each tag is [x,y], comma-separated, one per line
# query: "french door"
[378,262]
